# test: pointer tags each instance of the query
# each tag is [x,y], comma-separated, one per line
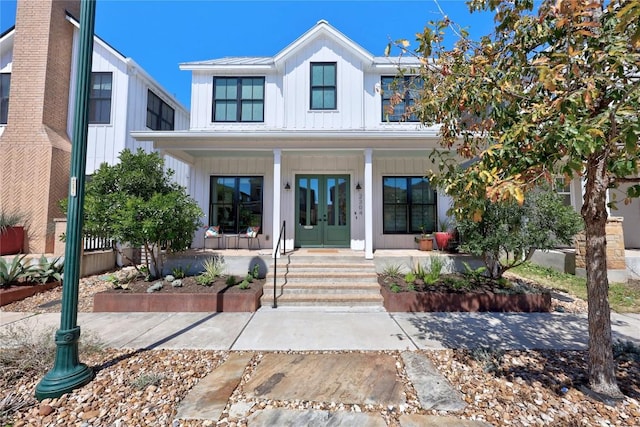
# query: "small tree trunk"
[602,378]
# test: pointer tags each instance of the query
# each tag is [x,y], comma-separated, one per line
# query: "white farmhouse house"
[124,98]
[308,137]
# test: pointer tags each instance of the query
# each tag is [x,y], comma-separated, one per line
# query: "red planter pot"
[442,239]
[11,240]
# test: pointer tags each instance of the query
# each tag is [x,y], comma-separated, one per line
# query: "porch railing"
[283,235]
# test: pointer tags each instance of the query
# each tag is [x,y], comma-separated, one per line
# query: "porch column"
[368,204]
[277,189]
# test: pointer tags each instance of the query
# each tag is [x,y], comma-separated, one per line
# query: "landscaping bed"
[21,291]
[190,297]
[457,292]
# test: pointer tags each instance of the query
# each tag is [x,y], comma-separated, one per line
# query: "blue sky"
[160,34]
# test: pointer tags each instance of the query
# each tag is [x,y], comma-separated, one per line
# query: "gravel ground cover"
[144,388]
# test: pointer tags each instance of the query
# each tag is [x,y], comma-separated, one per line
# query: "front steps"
[323,281]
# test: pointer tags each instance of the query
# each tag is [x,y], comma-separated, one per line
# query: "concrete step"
[324,300]
[320,277]
[323,287]
[323,281]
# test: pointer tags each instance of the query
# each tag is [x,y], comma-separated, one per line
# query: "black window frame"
[240,224]
[98,98]
[411,228]
[323,87]
[238,100]
[5,88]
[403,85]
[165,115]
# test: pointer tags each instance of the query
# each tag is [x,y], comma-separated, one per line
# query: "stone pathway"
[352,378]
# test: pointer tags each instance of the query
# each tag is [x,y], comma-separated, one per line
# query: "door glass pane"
[342,201]
[331,197]
[308,201]
[314,197]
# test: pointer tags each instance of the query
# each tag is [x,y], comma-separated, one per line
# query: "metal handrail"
[283,232]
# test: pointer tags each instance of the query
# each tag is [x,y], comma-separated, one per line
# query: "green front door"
[322,211]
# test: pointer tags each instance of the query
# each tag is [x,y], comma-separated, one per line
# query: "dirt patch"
[189,286]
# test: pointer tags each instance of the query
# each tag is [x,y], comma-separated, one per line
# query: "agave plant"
[12,271]
[46,270]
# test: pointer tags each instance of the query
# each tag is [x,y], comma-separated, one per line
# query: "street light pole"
[68,373]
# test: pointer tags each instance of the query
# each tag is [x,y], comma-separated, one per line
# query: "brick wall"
[36,150]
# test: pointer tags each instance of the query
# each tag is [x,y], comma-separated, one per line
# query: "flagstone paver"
[209,397]
[417,420]
[310,418]
[349,378]
[434,391]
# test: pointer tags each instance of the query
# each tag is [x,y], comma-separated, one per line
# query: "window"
[398,98]
[5,82]
[159,115]
[564,190]
[236,202]
[409,203]
[323,86]
[100,98]
[238,99]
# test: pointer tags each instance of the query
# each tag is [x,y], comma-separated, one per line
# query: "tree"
[136,202]
[551,93]
[508,233]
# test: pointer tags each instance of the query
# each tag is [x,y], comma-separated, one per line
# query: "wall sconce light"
[358,186]
[287,186]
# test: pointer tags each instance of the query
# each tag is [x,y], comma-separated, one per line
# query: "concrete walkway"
[271,329]
[357,378]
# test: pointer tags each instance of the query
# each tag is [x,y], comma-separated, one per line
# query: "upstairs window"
[399,96]
[409,205]
[323,86]
[100,98]
[5,82]
[160,116]
[238,99]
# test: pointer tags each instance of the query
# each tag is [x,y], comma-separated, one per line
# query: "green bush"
[508,234]
[136,201]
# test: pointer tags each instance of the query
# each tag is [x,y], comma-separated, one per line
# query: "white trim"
[368,203]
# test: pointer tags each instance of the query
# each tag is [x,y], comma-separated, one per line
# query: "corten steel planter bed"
[220,301]
[467,302]
[19,292]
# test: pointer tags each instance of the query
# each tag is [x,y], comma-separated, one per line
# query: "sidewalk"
[271,329]
[341,388]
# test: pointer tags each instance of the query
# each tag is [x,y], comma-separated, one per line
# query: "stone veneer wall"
[35,147]
[616,263]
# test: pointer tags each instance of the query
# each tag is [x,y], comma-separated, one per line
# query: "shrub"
[395,288]
[231,280]
[410,277]
[244,284]
[146,379]
[136,201]
[508,234]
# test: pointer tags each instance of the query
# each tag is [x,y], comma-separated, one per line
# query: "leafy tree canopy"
[136,202]
[551,92]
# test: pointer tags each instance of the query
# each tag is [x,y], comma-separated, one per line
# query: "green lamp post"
[68,373]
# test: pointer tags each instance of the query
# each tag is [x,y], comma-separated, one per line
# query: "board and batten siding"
[349,86]
[104,141]
[259,165]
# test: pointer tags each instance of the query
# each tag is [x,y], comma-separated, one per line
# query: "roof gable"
[322,28]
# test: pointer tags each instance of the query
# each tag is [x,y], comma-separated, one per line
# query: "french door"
[322,211]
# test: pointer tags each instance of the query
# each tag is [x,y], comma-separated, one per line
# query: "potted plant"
[424,240]
[11,233]
[445,235]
